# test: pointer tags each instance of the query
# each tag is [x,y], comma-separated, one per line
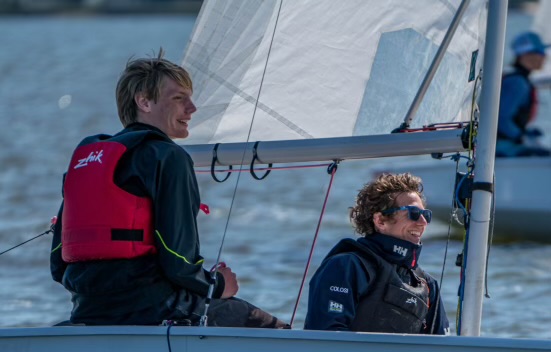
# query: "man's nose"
[191,108]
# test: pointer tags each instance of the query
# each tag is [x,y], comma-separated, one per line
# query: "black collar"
[392,249]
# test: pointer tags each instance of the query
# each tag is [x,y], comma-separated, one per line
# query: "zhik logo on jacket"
[92,157]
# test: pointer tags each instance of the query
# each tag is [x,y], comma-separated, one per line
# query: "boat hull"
[197,339]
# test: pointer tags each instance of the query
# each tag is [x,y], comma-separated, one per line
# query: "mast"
[485,154]
[435,63]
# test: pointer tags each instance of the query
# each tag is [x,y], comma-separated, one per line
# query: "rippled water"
[58,78]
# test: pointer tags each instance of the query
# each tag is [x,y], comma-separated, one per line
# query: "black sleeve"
[437,320]
[335,291]
[57,265]
[172,185]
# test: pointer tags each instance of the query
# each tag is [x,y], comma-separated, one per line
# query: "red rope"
[333,171]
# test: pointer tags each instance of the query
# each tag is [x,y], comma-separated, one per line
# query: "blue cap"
[528,42]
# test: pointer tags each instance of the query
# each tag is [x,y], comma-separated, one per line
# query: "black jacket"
[149,289]
[342,280]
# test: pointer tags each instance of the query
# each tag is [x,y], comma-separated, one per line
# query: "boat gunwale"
[256,333]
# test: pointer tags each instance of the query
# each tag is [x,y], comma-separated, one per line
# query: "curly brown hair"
[146,76]
[380,195]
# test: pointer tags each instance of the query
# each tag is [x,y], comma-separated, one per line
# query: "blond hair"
[146,76]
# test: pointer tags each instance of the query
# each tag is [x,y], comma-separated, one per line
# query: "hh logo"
[93,157]
[411,300]
[400,250]
[335,307]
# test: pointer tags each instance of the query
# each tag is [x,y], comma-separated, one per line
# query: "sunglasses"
[414,213]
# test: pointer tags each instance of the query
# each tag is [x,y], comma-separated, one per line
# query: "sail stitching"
[462,24]
[249,98]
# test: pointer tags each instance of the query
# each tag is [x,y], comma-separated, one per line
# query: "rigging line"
[435,64]
[35,237]
[462,280]
[266,168]
[455,200]
[474,118]
[463,271]
[170,324]
[203,321]
[445,250]
[490,238]
[168,337]
[470,168]
[471,164]
[474,112]
[333,170]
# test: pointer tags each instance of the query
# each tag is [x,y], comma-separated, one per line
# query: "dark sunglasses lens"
[428,215]
[414,213]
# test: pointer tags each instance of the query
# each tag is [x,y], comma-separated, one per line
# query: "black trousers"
[235,312]
[232,312]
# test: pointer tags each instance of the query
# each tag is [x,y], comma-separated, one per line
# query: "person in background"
[518,102]
[126,243]
[375,283]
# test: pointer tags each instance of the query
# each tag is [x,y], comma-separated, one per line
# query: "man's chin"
[180,135]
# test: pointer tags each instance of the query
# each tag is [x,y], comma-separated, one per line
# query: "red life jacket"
[100,220]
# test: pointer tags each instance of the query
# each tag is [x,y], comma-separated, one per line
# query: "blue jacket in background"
[516,105]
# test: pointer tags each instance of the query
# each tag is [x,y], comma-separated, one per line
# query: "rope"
[294,167]
[35,237]
[490,239]
[466,209]
[203,321]
[456,158]
[168,337]
[466,217]
[331,170]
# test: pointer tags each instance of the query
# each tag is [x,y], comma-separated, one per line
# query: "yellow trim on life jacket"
[56,248]
[176,254]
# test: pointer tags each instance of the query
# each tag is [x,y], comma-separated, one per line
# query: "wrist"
[220,285]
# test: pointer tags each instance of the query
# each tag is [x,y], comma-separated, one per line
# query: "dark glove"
[518,140]
[533,132]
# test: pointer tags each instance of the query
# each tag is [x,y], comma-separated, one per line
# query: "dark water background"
[58,76]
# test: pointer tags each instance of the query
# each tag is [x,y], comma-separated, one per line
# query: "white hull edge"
[197,339]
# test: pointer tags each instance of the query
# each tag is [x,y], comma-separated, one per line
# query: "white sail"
[290,70]
[227,57]
[541,23]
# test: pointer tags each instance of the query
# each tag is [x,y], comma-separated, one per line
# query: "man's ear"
[379,221]
[143,103]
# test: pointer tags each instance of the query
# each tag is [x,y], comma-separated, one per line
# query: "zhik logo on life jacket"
[411,300]
[93,157]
